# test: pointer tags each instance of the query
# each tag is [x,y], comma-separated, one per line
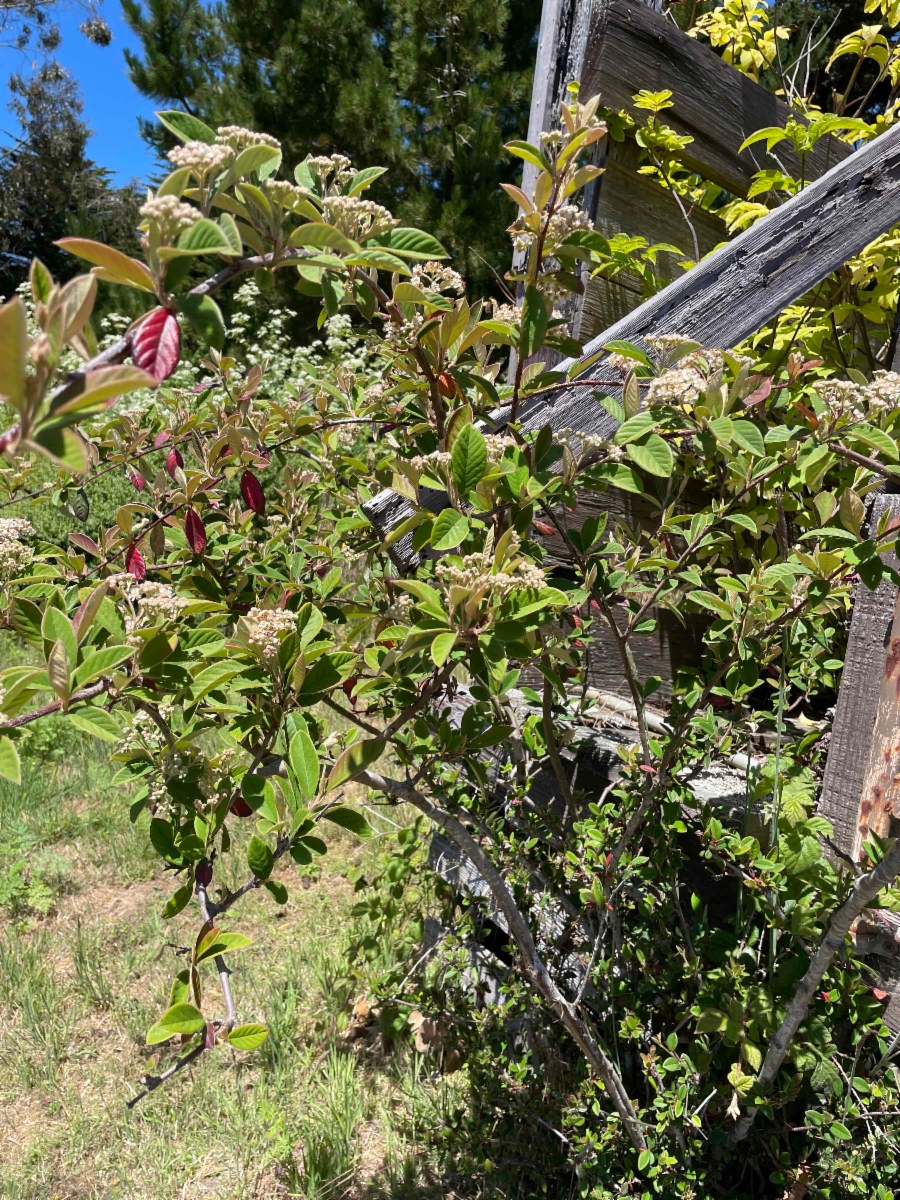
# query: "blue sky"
[112,103]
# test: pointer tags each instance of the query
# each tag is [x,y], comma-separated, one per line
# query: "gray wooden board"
[631,48]
[868,656]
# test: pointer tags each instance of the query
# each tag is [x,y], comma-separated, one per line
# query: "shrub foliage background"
[723,1022]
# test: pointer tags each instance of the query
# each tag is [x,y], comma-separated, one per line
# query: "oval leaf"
[354,760]
[156,344]
[248,1037]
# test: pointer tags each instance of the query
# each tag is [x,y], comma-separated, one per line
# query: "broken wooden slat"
[861,787]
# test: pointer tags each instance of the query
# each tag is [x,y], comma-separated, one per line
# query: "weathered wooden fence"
[618,47]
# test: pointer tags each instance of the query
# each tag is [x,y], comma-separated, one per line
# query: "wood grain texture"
[855,790]
[631,48]
[750,280]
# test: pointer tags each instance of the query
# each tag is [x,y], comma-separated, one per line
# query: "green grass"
[85,966]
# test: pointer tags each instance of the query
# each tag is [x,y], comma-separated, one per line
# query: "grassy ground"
[85,968]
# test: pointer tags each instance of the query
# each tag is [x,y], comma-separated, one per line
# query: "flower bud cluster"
[580,445]
[239,138]
[435,277]
[563,223]
[283,193]
[332,168]
[883,393]
[509,313]
[170,214]
[268,628]
[200,158]
[475,573]
[358,218]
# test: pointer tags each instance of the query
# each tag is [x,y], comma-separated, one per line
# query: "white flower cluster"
[284,194]
[15,529]
[268,628]
[239,138]
[475,573]
[497,444]
[435,277]
[170,215]
[358,218]
[883,392]
[569,219]
[507,312]
[403,335]
[682,386]
[14,554]
[332,168]
[437,460]
[200,158]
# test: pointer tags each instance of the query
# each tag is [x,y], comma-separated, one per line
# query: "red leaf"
[203,872]
[763,391]
[161,439]
[251,490]
[173,461]
[134,563]
[137,480]
[241,808]
[156,344]
[879,994]
[194,532]
[544,528]
[83,542]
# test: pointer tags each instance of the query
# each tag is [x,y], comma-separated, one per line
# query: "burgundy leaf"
[240,807]
[83,542]
[251,490]
[158,540]
[134,563]
[161,439]
[173,461]
[203,872]
[762,392]
[156,344]
[194,532]
[543,527]
[137,480]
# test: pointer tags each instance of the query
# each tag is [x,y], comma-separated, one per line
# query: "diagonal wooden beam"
[746,283]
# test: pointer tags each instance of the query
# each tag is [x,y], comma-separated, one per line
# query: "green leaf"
[229,228]
[127,270]
[276,890]
[26,621]
[356,758]
[713,603]
[180,1018]
[304,762]
[174,905]
[324,236]
[441,647]
[97,721]
[212,677]
[203,237]
[409,243]
[530,154]
[217,942]
[534,322]
[468,459]
[186,127]
[363,179]
[63,446]
[635,427]
[56,627]
[9,760]
[260,858]
[449,529]
[629,350]
[722,429]
[869,435]
[101,662]
[309,623]
[248,1037]
[840,1130]
[206,317]
[58,671]
[181,988]
[349,818]
[621,476]
[175,184]
[13,348]
[251,158]
[653,456]
[162,839]
[748,437]
[645,1159]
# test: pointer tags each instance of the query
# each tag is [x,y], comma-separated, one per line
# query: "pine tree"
[48,185]
[430,89]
